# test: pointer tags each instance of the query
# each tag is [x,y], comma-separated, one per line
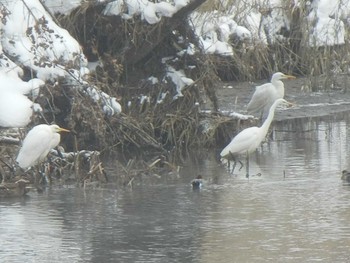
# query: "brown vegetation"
[130,51]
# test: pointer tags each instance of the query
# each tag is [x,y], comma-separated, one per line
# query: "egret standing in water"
[39,141]
[249,139]
[266,94]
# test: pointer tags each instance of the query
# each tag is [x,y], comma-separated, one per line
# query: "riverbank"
[234,96]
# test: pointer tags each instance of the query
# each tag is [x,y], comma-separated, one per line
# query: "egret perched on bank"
[39,141]
[266,94]
[249,139]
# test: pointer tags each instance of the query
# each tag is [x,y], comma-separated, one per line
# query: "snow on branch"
[34,40]
[31,39]
[149,11]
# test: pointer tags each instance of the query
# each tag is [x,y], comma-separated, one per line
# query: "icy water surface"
[298,210]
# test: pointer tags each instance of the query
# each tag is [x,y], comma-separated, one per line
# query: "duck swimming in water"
[346,176]
[16,189]
[197,183]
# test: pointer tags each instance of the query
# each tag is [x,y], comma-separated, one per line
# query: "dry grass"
[147,133]
[294,54]
[176,124]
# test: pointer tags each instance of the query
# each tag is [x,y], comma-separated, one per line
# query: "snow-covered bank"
[250,37]
[306,104]
[32,41]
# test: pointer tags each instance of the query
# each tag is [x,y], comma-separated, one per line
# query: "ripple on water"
[296,211]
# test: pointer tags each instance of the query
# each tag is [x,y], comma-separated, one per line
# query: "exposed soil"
[235,97]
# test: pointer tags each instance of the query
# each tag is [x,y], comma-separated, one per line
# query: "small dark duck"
[16,189]
[346,176]
[197,183]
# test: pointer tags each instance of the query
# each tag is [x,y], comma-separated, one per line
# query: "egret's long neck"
[279,87]
[267,122]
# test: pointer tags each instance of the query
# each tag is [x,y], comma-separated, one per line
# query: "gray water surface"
[298,210]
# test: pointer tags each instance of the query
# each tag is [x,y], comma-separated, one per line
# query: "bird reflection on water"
[345,176]
[248,140]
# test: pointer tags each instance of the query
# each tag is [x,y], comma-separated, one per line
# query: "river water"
[298,210]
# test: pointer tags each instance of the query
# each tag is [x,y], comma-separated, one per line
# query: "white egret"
[266,94]
[249,139]
[39,141]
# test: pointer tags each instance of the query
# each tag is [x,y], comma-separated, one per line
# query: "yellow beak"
[289,77]
[63,130]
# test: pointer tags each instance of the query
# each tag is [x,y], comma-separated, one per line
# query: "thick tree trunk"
[158,33]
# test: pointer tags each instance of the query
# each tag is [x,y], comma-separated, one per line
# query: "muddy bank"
[234,96]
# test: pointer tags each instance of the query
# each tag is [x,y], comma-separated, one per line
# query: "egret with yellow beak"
[266,94]
[248,140]
[39,141]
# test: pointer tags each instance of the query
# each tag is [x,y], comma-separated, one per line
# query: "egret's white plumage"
[266,94]
[249,139]
[38,143]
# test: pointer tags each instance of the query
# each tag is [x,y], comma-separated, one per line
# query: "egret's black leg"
[232,157]
[59,153]
[240,168]
[270,135]
[42,177]
[234,165]
[247,175]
